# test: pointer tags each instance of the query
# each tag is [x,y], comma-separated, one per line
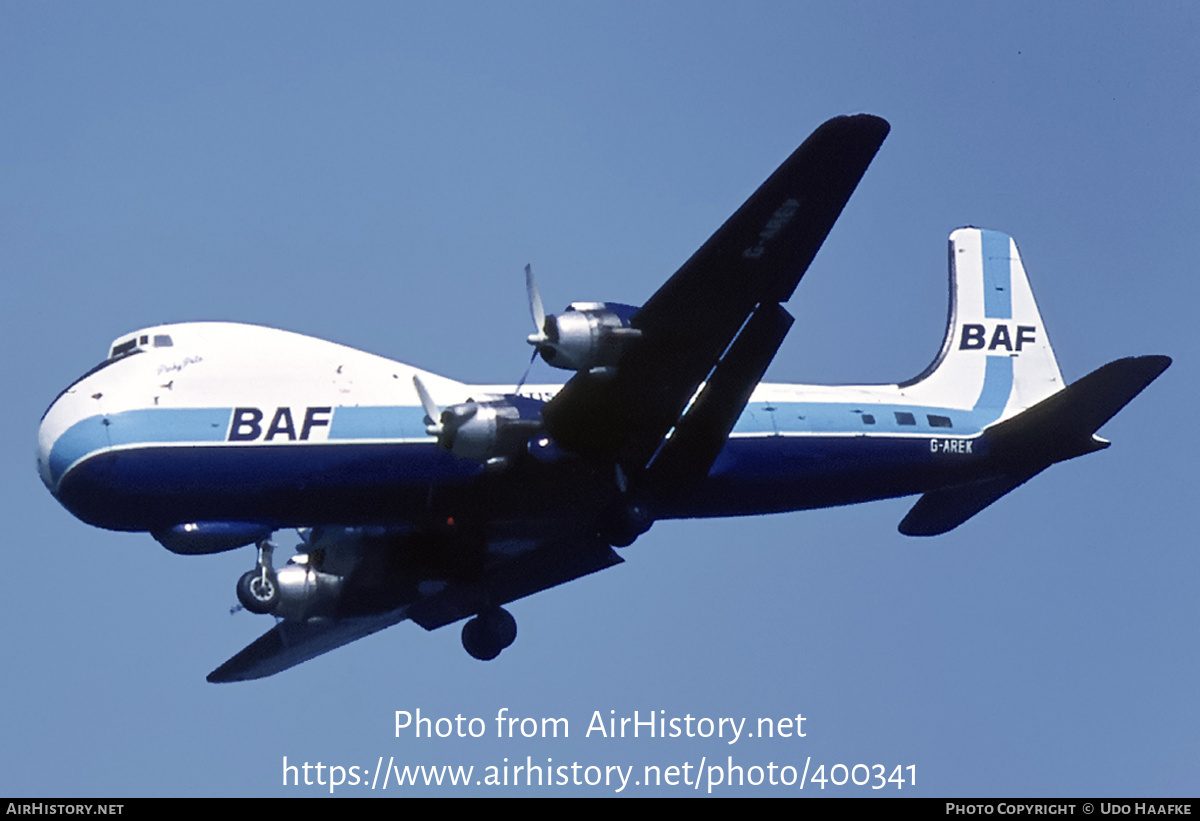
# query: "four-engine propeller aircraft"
[417,497]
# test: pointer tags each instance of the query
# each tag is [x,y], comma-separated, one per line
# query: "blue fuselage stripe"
[136,427]
[115,470]
[391,484]
[377,423]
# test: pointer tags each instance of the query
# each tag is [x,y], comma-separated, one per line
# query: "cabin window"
[868,419]
[162,341]
[939,421]
[905,418]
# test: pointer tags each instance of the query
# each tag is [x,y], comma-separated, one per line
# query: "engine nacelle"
[305,591]
[588,336]
[490,431]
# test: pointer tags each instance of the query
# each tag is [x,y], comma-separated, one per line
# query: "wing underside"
[547,563]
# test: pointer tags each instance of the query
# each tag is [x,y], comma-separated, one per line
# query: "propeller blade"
[536,309]
[431,408]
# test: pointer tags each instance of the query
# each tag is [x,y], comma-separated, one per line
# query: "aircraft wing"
[754,261]
[544,563]
[555,561]
[292,641]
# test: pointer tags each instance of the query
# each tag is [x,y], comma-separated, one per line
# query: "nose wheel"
[484,636]
[258,589]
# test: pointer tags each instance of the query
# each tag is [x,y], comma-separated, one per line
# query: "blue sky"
[379,175]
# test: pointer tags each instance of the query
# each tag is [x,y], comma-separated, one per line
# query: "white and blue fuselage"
[214,435]
[222,422]
[421,498]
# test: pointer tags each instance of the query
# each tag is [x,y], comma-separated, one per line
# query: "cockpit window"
[124,348]
[139,342]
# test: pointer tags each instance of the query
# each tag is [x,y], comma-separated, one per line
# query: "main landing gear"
[488,633]
[258,589]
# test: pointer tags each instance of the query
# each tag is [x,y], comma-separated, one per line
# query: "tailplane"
[1058,428]
[997,358]
[1064,425]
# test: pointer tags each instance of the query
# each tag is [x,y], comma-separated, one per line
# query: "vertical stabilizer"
[996,351]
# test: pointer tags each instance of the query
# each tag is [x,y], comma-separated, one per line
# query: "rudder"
[993,316]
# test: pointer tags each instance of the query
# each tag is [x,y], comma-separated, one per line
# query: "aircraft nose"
[45,444]
[54,438]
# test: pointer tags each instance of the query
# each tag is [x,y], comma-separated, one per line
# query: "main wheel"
[484,636]
[500,625]
[258,592]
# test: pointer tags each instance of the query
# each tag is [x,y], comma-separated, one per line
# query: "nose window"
[137,342]
[123,348]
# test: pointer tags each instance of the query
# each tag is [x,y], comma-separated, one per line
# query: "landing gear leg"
[484,636]
[625,519]
[257,589]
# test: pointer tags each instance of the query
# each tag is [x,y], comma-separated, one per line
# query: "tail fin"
[996,354]
[997,359]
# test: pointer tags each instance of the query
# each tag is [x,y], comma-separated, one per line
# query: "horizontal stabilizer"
[940,511]
[1058,428]
[1062,426]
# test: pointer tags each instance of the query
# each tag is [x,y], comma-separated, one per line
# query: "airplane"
[421,498]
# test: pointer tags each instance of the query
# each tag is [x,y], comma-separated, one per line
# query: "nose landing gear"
[258,589]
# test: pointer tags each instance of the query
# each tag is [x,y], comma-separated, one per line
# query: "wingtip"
[223,675]
[851,134]
[864,121]
[1162,361]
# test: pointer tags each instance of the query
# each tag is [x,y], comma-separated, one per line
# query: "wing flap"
[700,435]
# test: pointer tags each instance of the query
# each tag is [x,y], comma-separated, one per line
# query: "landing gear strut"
[484,636]
[257,589]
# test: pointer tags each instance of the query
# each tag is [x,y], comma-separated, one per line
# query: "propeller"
[538,340]
[536,310]
[435,427]
[587,336]
[446,424]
